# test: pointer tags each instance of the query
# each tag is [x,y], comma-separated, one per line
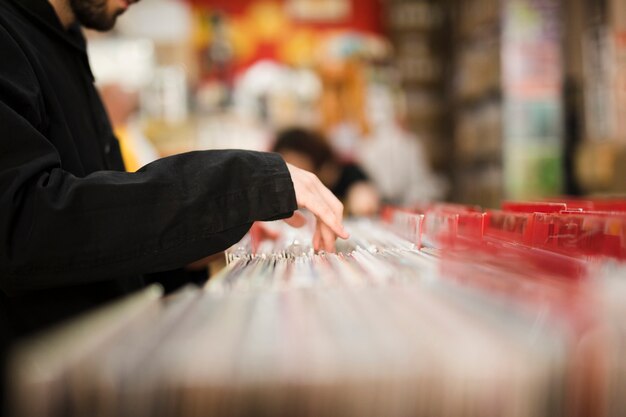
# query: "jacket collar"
[42,12]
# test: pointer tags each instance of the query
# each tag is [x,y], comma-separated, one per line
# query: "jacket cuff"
[282,199]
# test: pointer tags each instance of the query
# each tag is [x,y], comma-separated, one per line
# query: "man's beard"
[93,14]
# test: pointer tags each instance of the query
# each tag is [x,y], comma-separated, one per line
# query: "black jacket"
[74,229]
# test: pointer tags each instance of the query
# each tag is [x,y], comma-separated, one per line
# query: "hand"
[328,210]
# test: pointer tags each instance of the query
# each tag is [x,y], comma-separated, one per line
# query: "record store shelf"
[439,310]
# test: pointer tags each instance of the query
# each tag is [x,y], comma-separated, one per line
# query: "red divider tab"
[509,226]
[533,207]
[581,234]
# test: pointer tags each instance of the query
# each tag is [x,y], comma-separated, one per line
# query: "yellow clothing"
[129,153]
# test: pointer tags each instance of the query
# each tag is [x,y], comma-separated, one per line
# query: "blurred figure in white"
[393,157]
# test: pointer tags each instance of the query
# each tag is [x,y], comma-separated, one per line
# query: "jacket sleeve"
[58,229]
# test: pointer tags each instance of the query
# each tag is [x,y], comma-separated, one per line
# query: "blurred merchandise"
[216,52]
[165,98]
[508,92]
[287,31]
[174,19]
[276,95]
[415,15]
[441,309]
[127,62]
[532,99]
[232,131]
[491,95]
[171,37]
[600,158]
[418,32]
[344,63]
[165,111]
[319,10]
[601,167]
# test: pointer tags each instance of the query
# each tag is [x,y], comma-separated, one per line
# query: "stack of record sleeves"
[435,312]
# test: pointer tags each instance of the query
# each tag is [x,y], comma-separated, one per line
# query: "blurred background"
[469,101]
[513,312]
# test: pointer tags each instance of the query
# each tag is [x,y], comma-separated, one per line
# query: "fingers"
[327,208]
[331,200]
[317,236]
[326,215]
[328,238]
[323,238]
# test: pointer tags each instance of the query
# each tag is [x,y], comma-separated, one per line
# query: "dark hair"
[306,142]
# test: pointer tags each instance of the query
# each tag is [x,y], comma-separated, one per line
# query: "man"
[75,230]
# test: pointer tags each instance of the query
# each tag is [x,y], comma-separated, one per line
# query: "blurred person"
[75,229]
[393,156]
[311,152]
